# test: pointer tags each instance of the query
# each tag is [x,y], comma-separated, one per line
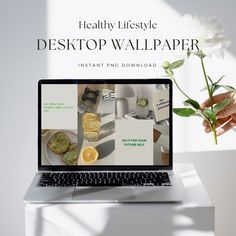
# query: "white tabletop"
[194,216]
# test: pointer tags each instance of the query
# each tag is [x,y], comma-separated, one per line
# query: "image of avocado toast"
[60,144]
[71,156]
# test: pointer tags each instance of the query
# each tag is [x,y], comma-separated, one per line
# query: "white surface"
[217,171]
[195,216]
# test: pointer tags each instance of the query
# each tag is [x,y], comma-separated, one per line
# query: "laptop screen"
[91,123]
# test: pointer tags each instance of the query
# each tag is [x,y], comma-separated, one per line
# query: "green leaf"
[192,103]
[176,64]
[209,114]
[165,65]
[228,88]
[199,114]
[184,112]
[221,105]
[169,72]
[219,79]
[210,79]
[214,87]
[200,54]
[188,53]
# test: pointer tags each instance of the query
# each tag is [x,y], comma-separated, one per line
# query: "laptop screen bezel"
[104,167]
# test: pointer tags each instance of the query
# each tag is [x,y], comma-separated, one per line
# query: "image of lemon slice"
[89,154]
[91,136]
[89,115]
[142,102]
[92,124]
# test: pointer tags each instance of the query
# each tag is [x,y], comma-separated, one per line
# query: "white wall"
[22,22]
[166,13]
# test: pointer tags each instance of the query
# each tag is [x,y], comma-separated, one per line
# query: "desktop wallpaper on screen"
[105,124]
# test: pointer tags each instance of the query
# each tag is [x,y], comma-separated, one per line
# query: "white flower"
[207,30]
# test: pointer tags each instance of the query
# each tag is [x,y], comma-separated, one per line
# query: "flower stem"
[214,135]
[212,126]
[213,130]
[172,78]
[206,81]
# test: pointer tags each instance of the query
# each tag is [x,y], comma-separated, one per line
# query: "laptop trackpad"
[103,194]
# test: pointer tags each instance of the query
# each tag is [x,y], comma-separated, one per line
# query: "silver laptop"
[105,141]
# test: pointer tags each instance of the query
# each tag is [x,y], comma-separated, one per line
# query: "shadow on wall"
[21,67]
[218,8]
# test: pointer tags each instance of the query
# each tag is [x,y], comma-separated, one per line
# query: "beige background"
[60,118]
[134,129]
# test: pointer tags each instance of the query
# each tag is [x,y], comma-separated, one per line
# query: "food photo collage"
[98,106]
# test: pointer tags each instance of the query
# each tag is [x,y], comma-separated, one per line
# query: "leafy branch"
[209,114]
[169,67]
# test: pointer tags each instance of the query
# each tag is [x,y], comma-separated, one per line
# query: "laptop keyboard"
[69,179]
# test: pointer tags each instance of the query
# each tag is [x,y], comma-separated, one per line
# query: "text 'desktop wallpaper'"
[105,124]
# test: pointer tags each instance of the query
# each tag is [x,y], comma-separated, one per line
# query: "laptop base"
[88,194]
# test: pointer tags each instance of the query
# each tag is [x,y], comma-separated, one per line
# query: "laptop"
[105,141]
